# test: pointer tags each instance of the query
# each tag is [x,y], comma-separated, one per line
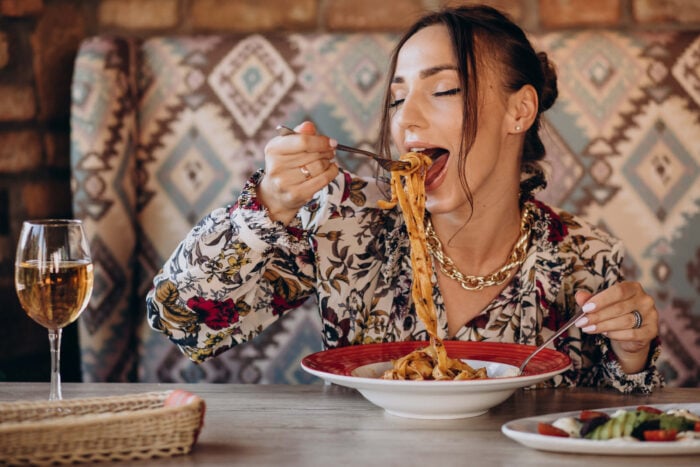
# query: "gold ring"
[305,171]
[637,319]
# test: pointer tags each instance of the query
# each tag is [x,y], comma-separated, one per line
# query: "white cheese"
[570,425]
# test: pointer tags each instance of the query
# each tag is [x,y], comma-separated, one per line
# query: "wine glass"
[53,278]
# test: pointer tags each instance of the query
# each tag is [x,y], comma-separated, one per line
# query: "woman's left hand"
[627,316]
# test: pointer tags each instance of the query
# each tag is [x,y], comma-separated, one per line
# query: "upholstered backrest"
[166,129]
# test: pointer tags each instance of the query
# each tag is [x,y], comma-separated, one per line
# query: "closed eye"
[396,103]
[449,92]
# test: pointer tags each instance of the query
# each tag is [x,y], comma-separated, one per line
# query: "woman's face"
[427,112]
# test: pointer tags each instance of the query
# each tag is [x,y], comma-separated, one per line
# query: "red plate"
[343,360]
[360,367]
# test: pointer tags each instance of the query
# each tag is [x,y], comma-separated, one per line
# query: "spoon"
[388,164]
[549,341]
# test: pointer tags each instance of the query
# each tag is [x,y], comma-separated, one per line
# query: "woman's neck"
[482,244]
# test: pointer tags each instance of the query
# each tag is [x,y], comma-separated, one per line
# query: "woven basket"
[138,426]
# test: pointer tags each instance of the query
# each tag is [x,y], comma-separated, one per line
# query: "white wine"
[55,296]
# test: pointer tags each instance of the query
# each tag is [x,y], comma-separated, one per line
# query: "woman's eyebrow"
[427,72]
[435,70]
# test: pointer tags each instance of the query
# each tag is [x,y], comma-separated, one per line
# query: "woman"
[467,84]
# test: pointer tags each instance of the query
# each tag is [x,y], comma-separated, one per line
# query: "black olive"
[591,424]
[653,424]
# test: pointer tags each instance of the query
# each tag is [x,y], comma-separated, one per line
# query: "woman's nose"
[411,112]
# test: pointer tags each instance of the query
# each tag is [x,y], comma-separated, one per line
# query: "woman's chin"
[437,201]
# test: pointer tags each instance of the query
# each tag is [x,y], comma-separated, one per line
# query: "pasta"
[431,362]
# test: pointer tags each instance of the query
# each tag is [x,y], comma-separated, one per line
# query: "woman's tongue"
[435,169]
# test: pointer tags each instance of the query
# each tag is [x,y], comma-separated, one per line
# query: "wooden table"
[323,425]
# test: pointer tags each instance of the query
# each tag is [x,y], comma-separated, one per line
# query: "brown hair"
[506,44]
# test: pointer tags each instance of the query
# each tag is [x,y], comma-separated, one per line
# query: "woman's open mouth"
[439,157]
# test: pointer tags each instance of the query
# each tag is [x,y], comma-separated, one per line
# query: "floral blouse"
[238,271]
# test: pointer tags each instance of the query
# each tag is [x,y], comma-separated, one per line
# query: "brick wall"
[38,41]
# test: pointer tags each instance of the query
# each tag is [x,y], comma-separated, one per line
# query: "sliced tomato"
[697,426]
[550,430]
[647,408]
[660,435]
[586,415]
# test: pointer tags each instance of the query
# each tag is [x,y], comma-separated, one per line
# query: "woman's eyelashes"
[449,92]
[395,103]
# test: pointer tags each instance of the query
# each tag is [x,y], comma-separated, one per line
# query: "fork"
[388,164]
[566,326]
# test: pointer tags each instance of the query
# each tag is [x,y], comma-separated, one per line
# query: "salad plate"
[524,431]
[361,367]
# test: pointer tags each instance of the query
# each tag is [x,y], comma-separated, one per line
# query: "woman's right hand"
[296,167]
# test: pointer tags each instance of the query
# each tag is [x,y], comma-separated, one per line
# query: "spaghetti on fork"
[431,362]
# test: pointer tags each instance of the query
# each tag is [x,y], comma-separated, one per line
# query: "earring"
[518,128]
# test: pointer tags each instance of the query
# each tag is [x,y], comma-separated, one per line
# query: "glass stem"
[55,345]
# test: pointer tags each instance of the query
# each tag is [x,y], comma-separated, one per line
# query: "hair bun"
[549,83]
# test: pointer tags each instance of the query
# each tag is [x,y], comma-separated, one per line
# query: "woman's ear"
[522,109]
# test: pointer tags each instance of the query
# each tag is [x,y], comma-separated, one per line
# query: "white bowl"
[360,367]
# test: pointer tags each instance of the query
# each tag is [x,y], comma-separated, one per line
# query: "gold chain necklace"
[515,259]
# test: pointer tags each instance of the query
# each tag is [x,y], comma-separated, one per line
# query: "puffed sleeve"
[233,275]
